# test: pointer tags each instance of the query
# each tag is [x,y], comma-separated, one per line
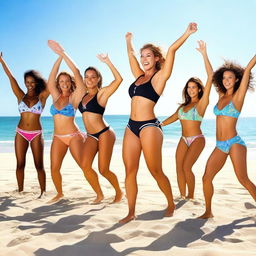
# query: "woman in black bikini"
[143,132]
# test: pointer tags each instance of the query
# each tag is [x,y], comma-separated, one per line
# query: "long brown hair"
[185,95]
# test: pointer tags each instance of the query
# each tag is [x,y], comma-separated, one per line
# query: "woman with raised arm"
[66,132]
[190,113]
[231,82]
[29,129]
[143,132]
[101,138]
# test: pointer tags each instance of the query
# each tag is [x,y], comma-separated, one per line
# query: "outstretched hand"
[56,47]
[103,57]
[202,47]
[128,36]
[192,28]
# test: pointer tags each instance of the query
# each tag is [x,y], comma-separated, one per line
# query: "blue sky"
[86,28]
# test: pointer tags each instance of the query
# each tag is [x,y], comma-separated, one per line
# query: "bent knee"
[243,180]
[157,173]
[104,171]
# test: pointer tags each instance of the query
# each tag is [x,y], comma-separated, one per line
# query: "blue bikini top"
[145,90]
[68,110]
[228,110]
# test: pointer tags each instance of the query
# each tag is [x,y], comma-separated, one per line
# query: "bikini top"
[145,90]
[91,106]
[191,114]
[228,110]
[67,110]
[35,109]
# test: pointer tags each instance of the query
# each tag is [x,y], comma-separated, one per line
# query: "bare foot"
[118,197]
[127,219]
[42,195]
[206,215]
[98,199]
[169,211]
[55,199]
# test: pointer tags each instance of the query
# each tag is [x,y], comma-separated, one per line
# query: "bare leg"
[90,149]
[131,157]
[214,164]
[37,147]
[238,158]
[21,147]
[180,156]
[58,151]
[151,141]
[106,144]
[192,155]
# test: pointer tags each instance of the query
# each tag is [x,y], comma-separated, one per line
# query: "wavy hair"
[237,70]
[157,53]
[64,73]
[40,81]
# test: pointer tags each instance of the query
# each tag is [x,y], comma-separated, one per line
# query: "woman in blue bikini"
[231,82]
[29,129]
[190,114]
[66,132]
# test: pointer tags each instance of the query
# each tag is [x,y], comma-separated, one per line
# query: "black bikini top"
[145,90]
[91,106]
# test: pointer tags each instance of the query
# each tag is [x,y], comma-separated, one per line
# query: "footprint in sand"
[19,240]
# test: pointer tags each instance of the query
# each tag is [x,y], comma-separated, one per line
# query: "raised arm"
[112,87]
[171,119]
[204,101]
[14,85]
[134,64]
[58,49]
[51,84]
[241,91]
[166,70]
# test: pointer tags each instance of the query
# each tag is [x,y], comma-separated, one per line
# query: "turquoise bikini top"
[192,115]
[228,110]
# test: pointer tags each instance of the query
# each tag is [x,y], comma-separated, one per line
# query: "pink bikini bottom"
[28,135]
[189,140]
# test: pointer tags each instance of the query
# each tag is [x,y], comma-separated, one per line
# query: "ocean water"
[246,129]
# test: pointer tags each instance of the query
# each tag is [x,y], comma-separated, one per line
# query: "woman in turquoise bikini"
[190,114]
[231,82]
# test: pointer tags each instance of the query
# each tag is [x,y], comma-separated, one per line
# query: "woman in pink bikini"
[190,113]
[29,129]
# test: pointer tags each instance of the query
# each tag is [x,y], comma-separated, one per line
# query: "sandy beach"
[74,226]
